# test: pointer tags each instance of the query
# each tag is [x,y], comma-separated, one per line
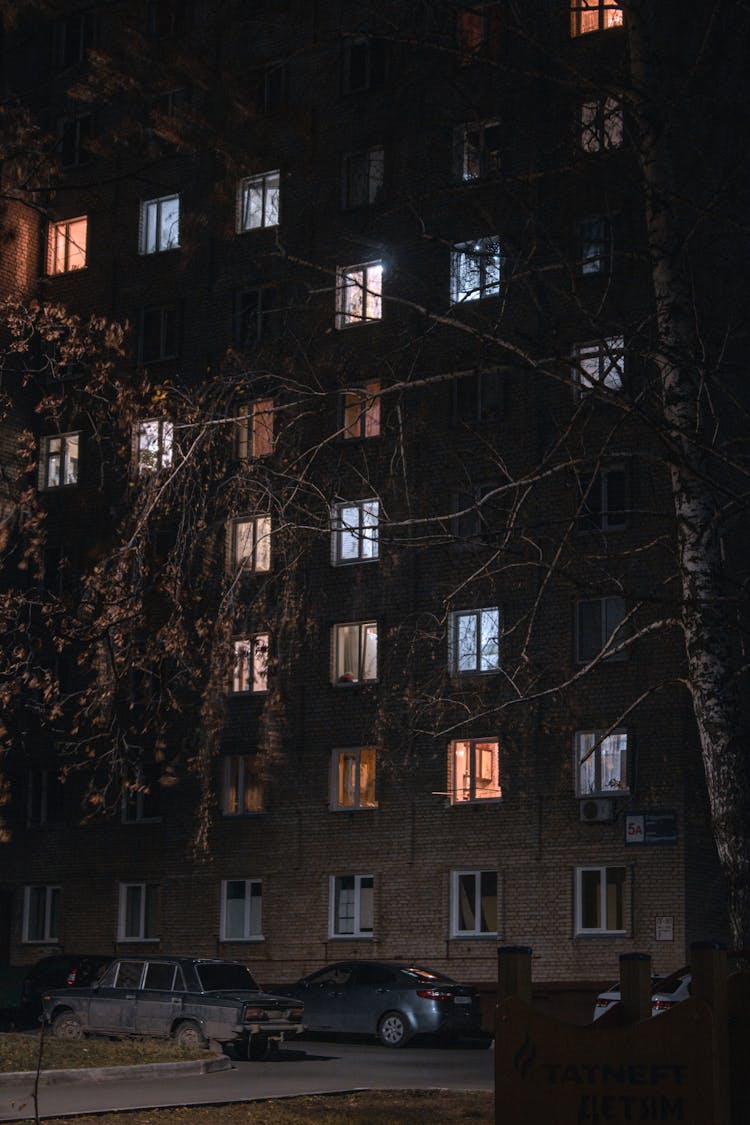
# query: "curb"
[106,1073]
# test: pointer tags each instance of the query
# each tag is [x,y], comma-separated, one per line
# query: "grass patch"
[21,1052]
[373,1107]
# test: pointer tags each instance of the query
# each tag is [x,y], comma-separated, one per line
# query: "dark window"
[478,398]
[363,64]
[599,624]
[603,500]
[129,974]
[166,17]
[75,133]
[160,975]
[477,150]
[362,178]
[272,89]
[595,245]
[253,315]
[44,798]
[158,335]
[374,976]
[75,36]
[481,514]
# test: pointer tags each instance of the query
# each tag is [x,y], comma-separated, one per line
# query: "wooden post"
[635,986]
[514,972]
[710,969]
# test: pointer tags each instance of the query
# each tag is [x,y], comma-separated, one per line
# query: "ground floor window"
[601,900]
[351,905]
[473,903]
[139,911]
[241,903]
[41,913]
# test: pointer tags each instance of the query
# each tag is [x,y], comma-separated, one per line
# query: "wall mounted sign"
[656,827]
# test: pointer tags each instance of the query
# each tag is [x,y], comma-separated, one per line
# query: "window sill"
[352,808]
[602,934]
[474,937]
[351,937]
[477,802]
[255,940]
[138,940]
[352,683]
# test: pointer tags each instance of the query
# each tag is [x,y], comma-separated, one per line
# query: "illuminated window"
[474,640]
[478,33]
[66,246]
[41,913]
[241,910]
[351,901]
[361,410]
[473,903]
[138,917]
[601,125]
[603,500]
[477,150]
[160,224]
[601,763]
[600,900]
[476,770]
[475,270]
[250,672]
[255,430]
[157,338]
[600,364]
[355,532]
[250,543]
[359,294]
[59,461]
[593,15]
[595,245]
[362,178]
[258,202]
[600,624]
[153,445]
[355,652]
[241,789]
[353,779]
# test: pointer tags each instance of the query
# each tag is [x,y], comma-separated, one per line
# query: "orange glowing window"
[255,430]
[66,246]
[593,15]
[362,411]
[476,771]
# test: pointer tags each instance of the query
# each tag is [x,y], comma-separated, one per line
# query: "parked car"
[391,1000]
[667,989]
[191,1000]
[63,970]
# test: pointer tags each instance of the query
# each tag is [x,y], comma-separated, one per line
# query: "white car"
[667,989]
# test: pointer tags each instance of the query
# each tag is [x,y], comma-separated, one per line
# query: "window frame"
[164,351]
[601,125]
[580,9]
[59,236]
[74,131]
[454,637]
[339,675]
[65,461]
[250,668]
[252,309]
[148,912]
[365,279]
[255,431]
[473,257]
[595,752]
[361,411]
[362,187]
[604,517]
[268,186]
[373,64]
[339,530]
[477,931]
[363,789]
[357,933]
[45,798]
[603,904]
[258,560]
[234,776]
[609,357]
[134,804]
[478,31]
[248,934]
[605,602]
[164,451]
[51,913]
[595,249]
[474,793]
[145,247]
[83,39]
[487,160]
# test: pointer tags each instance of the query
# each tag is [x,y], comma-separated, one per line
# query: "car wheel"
[393,1030]
[188,1034]
[67,1025]
[258,1048]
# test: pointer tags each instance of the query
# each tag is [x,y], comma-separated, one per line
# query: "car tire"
[67,1025]
[393,1030]
[258,1048]
[189,1034]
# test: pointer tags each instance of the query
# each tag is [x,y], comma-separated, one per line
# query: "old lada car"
[194,1001]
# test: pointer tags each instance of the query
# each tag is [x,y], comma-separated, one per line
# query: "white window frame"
[66,457]
[477,931]
[474,159]
[258,201]
[476,270]
[593,15]
[608,612]
[601,125]
[603,908]
[599,366]
[592,751]
[255,437]
[361,411]
[149,897]
[359,294]
[484,620]
[360,929]
[235,780]
[355,521]
[153,442]
[252,923]
[366,669]
[250,671]
[67,245]
[153,236]
[471,782]
[51,911]
[362,177]
[354,779]
[251,549]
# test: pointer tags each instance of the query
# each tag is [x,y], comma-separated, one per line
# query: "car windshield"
[217,976]
[670,984]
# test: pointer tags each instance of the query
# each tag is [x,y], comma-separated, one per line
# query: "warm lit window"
[355,652]
[141,799]
[241,789]
[474,640]
[601,900]
[595,245]
[593,15]
[355,531]
[250,671]
[599,626]
[351,905]
[600,364]
[476,770]
[601,763]
[258,202]
[241,910]
[359,294]
[45,803]
[160,224]
[475,270]
[362,177]
[477,150]
[59,461]
[603,502]
[361,409]
[250,543]
[601,125]
[138,912]
[41,913]
[255,430]
[353,779]
[153,445]
[66,245]
[473,903]
[478,32]
[254,317]
[158,334]
[362,64]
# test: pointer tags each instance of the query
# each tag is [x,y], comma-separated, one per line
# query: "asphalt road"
[305,1068]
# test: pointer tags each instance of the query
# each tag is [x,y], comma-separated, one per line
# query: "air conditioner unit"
[593,810]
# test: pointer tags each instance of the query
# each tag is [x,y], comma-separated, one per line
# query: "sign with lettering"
[659,827]
[660,1069]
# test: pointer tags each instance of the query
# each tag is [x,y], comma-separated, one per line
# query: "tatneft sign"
[550,1073]
[659,827]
